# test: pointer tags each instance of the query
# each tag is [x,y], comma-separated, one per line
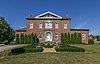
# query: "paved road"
[7,47]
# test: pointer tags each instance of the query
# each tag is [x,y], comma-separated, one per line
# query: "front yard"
[91,56]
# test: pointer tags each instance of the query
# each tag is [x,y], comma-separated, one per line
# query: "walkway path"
[49,49]
[7,47]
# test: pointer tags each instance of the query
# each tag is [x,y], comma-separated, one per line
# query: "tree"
[6,32]
[17,38]
[98,37]
[72,38]
[36,39]
[62,39]
[22,38]
[25,39]
[68,37]
[32,38]
[29,39]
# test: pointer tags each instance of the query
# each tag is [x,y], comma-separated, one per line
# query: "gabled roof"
[52,15]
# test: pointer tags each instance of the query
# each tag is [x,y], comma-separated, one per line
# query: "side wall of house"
[82,32]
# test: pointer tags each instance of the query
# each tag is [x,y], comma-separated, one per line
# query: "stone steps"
[49,49]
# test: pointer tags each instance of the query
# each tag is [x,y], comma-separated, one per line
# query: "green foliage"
[6,32]
[17,51]
[26,49]
[29,39]
[72,39]
[36,39]
[90,41]
[32,39]
[17,39]
[98,37]
[62,38]
[69,49]
[22,38]
[67,38]
[25,39]
[48,45]
[30,50]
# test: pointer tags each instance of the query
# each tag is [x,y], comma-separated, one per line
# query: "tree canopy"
[6,32]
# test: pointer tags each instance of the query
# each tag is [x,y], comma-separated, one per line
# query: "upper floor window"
[65,25]
[31,25]
[56,25]
[40,25]
[83,36]
[48,24]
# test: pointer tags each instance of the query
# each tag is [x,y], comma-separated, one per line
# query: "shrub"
[48,45]
[91,41]
[17,51]
[27,50]
[33,48]
[17,39]
[69,49]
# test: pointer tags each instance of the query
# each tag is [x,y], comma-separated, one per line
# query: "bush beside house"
[74,38]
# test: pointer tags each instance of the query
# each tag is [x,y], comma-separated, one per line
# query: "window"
[40,25]
[56,36]
[31,25]
[40,35]
[48,24]
[65,25]
[83,36]
[56,25]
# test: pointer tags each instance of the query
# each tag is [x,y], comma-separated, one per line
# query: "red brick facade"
[53,19]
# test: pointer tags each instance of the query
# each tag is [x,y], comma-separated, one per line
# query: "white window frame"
[48,24]
[83,36]
[56,36]
[65,25]
[56,25]
[40,25]
[31,25]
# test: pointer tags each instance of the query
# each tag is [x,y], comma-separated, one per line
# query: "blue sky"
[83,13]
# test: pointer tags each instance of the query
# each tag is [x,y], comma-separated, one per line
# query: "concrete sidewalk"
[7,47]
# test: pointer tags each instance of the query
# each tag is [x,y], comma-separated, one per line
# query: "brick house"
[49,26]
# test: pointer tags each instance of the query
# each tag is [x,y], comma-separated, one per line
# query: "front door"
[48,36]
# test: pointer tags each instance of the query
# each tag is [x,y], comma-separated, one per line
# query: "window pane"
[31,25]
[65,25]
[83,36]
[48,25]
[56,25]
[40,25]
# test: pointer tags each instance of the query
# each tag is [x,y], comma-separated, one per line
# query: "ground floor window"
[83,36]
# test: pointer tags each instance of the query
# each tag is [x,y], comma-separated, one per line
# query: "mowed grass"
[91,56]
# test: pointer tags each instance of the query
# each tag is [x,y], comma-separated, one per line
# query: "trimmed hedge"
[69,49]
[26,49]
[17,51]
[48,45]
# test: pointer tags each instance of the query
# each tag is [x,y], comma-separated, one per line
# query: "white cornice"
[48,17]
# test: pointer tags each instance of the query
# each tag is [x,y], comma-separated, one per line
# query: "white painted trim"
[51,35]
[47,17]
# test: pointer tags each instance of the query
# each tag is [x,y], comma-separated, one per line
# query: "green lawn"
[91,56]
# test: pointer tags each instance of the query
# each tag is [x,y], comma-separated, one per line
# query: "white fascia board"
[47,13]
